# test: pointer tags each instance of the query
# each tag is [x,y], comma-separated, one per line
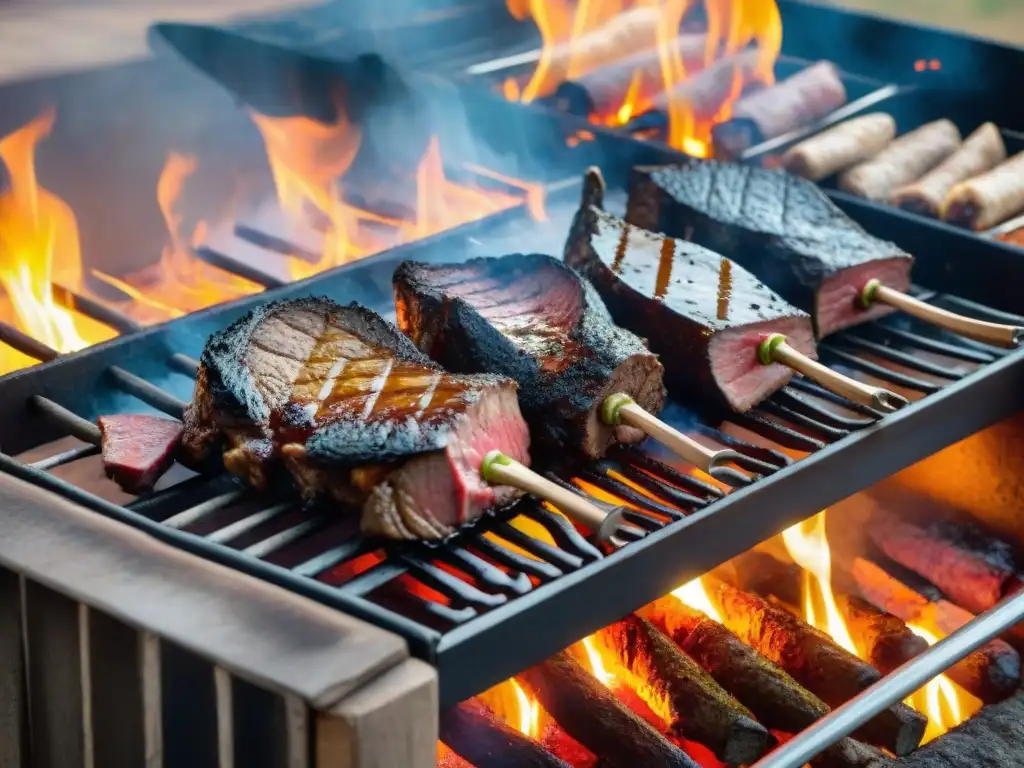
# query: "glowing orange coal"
[38,248]
[580,36]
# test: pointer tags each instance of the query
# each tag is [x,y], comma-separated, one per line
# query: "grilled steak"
[355,412]
[531,318]
[138,448]
[780,227]
[702,313]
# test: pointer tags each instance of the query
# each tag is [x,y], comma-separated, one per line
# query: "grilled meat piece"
[702,313]
[780,227]
[138,448]
[353,411]
[533,319]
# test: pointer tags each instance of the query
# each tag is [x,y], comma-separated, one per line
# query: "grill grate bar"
[247,271]
[929,344]
[148,393]
[678,498]
[883,373]
[372,578]
[630,496]
[552,555]
[790,399]
[528,565]
[788,413]
[65,457]
[74,424]
[806,385]
[276,244]
[96,310]
[184,364]
[898,356]
[981,311]
[26,344]
[564,533]
[246,524]
[283,538]
[451,586]
[198,512]
[486,573]
[757,422]
[318,565]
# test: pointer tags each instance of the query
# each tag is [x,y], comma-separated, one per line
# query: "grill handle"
[897,686]
[1009,336]
[499,469]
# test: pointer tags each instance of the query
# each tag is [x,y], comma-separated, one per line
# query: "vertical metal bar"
[152,699]
[85,674]
[296,718]
[225,718]
[13,722]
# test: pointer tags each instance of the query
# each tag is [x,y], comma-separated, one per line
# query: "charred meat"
[354,412]
[780,227]
[138,448]
[702,313]
[535,320]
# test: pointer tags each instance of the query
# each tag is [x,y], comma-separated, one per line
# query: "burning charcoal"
[992,738]
[778,226]
[357,413]
[852,141]
[983,150]
[817,663]
[988,199]
[531,318]
[592,715]
[604,90]
[992,672]
[797,101]
[692,703]
[701,312]
[778,701]
[973,569]
[907,159]
[137,449]
[472,731]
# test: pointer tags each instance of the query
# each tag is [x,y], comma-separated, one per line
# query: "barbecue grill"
[467,604]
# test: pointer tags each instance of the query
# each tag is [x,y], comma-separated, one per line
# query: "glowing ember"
[693,594]
[38,248]
[529,712]
[597,666]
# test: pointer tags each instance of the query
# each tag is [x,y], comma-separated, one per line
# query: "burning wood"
[692,704]
[474,732]
[592,715]
[991,738]
[991,673]
[817,663]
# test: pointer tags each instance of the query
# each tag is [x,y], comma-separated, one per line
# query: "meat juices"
[702,313]
[852,141]
[989,199]
[533,319]
[905,160]
[353,411]
[983,150]
[138,448]
[800,100]
[781,227]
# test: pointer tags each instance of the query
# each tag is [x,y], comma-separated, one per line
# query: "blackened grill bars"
[477,596]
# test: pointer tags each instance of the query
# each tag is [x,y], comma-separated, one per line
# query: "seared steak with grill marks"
[353,411]
[703,314]
[535,320]
[781,227]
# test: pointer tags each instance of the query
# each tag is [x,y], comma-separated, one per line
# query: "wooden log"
[592,715]
[692,704]
[473,732]
[817,663]
[992,672]
[777,700]
[992,738]
[973,569]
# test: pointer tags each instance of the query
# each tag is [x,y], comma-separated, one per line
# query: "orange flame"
[511,704]
[695,595]
[38,248]
[942,700]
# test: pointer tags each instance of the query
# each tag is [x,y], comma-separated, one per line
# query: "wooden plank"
[257,631]
[391,721]
[12,672]
[55,679]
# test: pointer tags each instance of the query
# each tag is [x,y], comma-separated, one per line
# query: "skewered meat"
[989,199]
[355,412]
[797,101]
[704,314]
[780,227]
[983,150]
[908,158]
[531,318]
[852,141]
[138,448]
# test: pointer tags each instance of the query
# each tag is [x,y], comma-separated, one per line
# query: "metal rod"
[147,393]
[621,408]
[184,364]
[896,686]
[65,457]
[25,344]
[249,272]
[1000,334]
[208,507]
[81,428]
[774,349]
[499,469]
[96,310]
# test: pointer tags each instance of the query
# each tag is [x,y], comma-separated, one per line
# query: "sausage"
[852,141]
[987,200]
[797,101]
[905,160]
[706,91]
[982,151]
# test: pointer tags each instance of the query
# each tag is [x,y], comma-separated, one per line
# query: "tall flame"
[38,244]
[529,712]
[939,699]
[694,594]
[597,667]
